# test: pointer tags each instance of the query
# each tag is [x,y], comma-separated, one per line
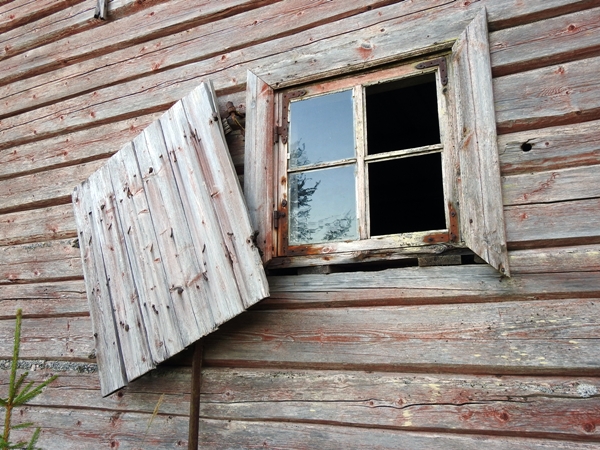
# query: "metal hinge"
[441,62]
[276,216]
[282,131]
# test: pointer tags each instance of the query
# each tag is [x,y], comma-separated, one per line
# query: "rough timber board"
[142,241]
[481,215]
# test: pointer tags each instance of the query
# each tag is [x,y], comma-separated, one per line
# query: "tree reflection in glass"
[322,200]
[323,205]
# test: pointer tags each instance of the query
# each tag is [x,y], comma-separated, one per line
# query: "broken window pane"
[402,114]
[406,195]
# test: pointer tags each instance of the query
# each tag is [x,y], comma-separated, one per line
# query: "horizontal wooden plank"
[131,98]
[57,338]
[558,185]
[214,434]
[560,39]
[164,18]
[66,291]
[55,222]
[177,49]
[563,222]
[64,23]
[66,429]
[551,336]
[416,285]
[41,189]
[554,95]
[582,258]
[76,388]
[62,298]
[553,407]
[550,148]
[41,261]
[15,14]
[71,148]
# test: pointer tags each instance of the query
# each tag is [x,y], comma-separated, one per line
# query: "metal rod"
[194,427]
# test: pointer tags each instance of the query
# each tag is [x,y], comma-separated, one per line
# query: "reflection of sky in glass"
[321,129]
[330,212]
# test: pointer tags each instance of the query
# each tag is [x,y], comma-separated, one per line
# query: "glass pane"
[323,206]
[321,129]
[402,114]
[417,182]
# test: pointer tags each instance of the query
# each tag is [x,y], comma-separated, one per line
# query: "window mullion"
[362,188]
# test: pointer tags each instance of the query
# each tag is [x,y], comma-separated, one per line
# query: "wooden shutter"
[259,162]
[481,209]
[166,242]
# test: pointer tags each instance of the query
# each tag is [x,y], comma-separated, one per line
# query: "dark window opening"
[402,114]
[406,195]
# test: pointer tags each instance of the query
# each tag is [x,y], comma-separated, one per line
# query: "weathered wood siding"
[437,357]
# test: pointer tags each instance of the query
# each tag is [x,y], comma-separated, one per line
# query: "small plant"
[18,397]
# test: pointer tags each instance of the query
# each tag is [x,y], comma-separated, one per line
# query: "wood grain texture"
[57,338]
[259,164]
[530,46]
[174,50]
[481,218]
[556,95]
[46,224]
[164,292]
[581,258]
[436,402]
[542,337]
[552,148]
[42,189]
[106,339]
[558,185]
[39,262]
[564,222]
[62,298]
[162,19]
[71,148]
[15,14]
[457,404]
[61,24]
[283,435]
[416,285]
[94,429]
[102,105]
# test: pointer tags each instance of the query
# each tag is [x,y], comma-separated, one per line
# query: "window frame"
[475,180]
[357,83]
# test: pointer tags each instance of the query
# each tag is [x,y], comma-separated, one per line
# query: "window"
[363,198]
[362,163]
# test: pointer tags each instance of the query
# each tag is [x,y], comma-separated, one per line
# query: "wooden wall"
[438,357]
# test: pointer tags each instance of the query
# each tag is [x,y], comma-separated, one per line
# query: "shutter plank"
[128,320]
[258,162]
[226,194]
[482,221]
[155,302]
[108,352]
[216,281]
[174,242]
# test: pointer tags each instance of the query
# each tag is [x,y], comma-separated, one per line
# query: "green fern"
[18,397]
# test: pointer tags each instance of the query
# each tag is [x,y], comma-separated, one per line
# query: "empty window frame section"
[363,162]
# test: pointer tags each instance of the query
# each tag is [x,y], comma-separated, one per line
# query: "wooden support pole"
[194,427]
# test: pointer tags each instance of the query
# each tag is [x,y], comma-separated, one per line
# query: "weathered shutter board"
[258,161]
[164,231]
[482,220]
